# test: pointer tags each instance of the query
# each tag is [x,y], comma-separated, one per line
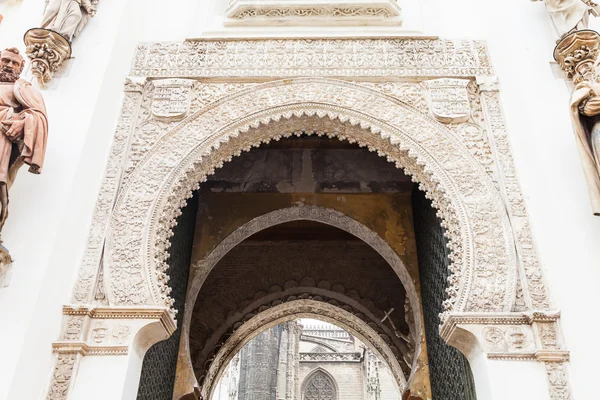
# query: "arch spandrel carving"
[480,237]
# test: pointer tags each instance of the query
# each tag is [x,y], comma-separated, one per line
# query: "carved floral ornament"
[263,12]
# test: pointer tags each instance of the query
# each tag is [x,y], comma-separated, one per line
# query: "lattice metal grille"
[158,371]
[320,387]
[451,376]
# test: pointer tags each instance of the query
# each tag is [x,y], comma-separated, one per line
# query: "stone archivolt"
[156,161]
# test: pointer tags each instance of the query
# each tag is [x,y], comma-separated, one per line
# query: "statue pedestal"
[577,53]
[47,51]
[5,266]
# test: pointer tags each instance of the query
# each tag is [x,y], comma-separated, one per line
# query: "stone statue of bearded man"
[23,125]
[570,15]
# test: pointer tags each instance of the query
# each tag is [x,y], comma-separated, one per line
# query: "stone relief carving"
[577,54]
[73,328]
[99,333]
[171,99]
[50,45]
[449,100]
[23,130]
[426,58]
[247,12]
[559,384]
[505,339]
[120,333]
[61,378]
[273,91]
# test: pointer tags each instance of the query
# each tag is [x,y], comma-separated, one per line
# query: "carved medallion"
[449,100]
[172,98]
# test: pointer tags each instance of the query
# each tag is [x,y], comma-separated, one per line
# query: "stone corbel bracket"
[103,331]
[577,55]
[47,51]
[352,12]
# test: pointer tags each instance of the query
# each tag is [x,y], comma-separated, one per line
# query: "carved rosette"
[577,54]
[47,51]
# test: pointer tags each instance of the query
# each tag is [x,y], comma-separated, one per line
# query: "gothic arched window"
[320,386]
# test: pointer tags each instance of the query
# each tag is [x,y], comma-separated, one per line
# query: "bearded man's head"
[11,65]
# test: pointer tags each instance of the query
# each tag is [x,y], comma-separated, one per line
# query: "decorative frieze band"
[427,58]
[522,336]
[262,12]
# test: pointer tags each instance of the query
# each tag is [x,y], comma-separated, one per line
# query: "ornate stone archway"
[220,337]
[303,308]
[177,127]
[473,213]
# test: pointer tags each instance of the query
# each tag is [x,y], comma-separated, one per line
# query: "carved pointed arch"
[479,234]
[319,384]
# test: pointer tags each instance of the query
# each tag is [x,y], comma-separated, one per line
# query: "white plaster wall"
[50,214]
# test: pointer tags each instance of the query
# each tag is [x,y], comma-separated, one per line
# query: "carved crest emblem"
[449,100]
[172,98]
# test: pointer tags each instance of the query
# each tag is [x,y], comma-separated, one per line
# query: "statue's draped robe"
[65,17]
[27,102]
[23,101]
[588,140]
[567,14]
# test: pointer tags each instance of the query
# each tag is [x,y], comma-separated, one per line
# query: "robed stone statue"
[68,17]
[569,15]
[585,113]
[23,126]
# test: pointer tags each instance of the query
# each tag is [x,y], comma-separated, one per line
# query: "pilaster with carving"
[100,331]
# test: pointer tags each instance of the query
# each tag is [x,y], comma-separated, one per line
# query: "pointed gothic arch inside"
[319,385]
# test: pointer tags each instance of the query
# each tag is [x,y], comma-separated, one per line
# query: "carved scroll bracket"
[47,51]
[577,55]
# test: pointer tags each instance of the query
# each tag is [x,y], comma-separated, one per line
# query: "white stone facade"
[48,231]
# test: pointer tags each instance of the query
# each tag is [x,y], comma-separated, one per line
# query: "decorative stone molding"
[353,12]
[47,51]
[330,357]
[230,59]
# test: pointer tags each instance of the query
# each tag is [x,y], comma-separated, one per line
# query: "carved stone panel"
[172,98]
[449,100]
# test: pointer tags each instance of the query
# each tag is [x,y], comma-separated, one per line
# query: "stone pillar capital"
[577,53]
